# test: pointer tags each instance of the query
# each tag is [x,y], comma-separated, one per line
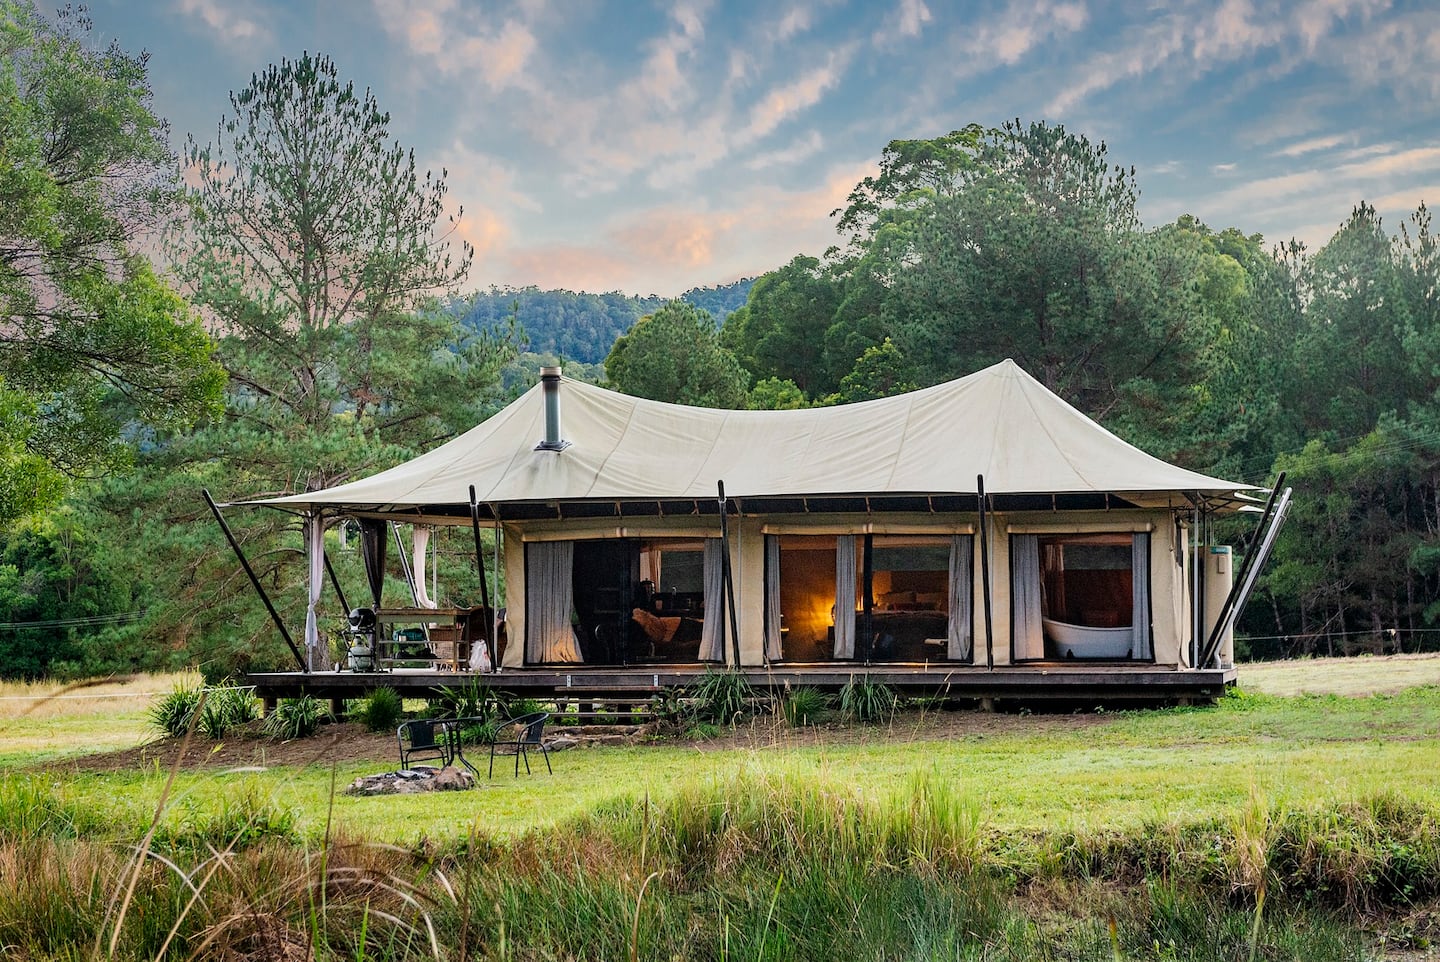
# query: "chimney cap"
[550,372]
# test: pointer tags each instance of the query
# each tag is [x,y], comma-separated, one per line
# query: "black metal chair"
[426,738]
[522,734]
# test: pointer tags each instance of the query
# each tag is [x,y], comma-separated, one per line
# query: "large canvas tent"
[569,463]
[999,423]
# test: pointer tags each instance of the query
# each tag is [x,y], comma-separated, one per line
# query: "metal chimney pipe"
[550,387]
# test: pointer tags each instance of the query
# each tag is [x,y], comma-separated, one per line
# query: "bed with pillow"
[909,625]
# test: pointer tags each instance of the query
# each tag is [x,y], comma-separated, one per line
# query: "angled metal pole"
[335,582]
[1245,565]
[727,576]
[254,581]
[985,569]
[405,564]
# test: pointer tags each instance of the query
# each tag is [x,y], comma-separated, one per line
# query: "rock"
[561,743]
[452,779]
[412,780]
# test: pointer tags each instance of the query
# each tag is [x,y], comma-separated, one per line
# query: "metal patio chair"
[523,734]
[426,738]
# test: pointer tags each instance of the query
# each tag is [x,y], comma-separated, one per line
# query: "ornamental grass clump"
[296,718]
[380,711]
[863,699]
[804,706]
[171,715]
[724,697]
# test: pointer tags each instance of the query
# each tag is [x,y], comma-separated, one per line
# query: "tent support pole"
[1197,601]
[980,500]
[254,581]
[479,549]
[335,582]
[484,582]
[728,577]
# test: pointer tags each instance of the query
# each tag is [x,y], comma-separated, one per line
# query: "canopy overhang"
[921,451]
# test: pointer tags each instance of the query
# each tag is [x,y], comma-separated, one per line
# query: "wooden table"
[449,627]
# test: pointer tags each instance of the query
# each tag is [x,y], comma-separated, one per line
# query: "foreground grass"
[1262,828]
[763,867]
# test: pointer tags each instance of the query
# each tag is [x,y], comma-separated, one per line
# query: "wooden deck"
[1058,682]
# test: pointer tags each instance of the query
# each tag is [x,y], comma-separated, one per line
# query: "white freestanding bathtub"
[1078,641]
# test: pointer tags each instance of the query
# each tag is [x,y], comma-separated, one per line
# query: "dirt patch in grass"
[248,747]
[906,726]
[347,742]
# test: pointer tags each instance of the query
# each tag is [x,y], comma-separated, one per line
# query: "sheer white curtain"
[1029,633]
[1140,596]
[845,596]
[315,552]
[773,649]
[712,633]
[420,535]
[960,642]
[549,598]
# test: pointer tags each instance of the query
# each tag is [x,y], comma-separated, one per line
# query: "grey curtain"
[1140,595]
[845,596]
[960,642]
[773,649]
[1028,639]
[373,538]
[549,598]
[712,630]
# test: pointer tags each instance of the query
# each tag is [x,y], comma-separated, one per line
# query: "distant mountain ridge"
[581,326]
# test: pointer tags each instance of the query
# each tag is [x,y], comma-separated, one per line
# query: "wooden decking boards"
[1035,682]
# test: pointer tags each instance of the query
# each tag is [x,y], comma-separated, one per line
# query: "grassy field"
[1096,836]
[1065,773]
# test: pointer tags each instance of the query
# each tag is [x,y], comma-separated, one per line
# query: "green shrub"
[470,700]
[296,718]
[172,714]
[481,734]
[724,697]
[225,708]
[804,706]
[381,711]
[516,707]
[865,700]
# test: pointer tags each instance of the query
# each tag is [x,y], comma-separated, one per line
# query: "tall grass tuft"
[724,697]
[171,715]
[296,718]
[863,699]
[380,711]
[804,706]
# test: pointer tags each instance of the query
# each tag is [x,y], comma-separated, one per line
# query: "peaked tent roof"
[998,422]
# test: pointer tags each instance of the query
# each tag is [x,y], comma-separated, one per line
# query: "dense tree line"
[334,343]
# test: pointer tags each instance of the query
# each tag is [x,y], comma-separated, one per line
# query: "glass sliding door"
[1081,596]
[876,598]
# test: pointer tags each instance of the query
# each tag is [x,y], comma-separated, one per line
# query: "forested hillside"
[578,326]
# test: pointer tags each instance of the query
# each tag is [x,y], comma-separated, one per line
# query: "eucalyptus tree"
[94,348]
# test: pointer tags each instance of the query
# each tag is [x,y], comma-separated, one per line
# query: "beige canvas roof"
[999,422]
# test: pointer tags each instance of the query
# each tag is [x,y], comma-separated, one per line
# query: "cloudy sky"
[651,147]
